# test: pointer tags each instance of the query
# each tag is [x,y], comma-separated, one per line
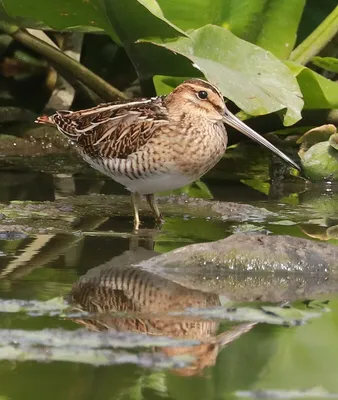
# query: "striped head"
[197,97]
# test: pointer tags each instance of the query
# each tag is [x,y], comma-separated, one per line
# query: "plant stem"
[317,40]
[58,58]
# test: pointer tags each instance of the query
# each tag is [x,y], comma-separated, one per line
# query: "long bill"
[236,123]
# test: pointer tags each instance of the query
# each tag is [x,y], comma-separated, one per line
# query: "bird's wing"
[113,130]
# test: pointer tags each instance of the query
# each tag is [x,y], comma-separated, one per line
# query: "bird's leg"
[154,208]
[134,201]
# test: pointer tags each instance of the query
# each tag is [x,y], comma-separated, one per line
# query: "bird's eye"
[202,95]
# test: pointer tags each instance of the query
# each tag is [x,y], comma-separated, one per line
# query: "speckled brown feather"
[113,130]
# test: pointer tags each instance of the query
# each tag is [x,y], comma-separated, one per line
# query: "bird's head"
[197,98]
[200,99]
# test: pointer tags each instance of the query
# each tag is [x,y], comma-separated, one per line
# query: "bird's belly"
[155,183]
[150,182]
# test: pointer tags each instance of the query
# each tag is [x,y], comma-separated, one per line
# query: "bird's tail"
[44,119]
[61,122]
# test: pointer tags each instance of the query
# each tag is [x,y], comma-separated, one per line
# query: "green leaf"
[279,28]
[155,9]
[328,63]
[165,84]
[85,16]
[333,141]
[272,24]
[315,135]
[320,162]
[318,92]
[249,76]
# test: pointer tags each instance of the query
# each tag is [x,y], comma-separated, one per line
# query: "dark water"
[148,352]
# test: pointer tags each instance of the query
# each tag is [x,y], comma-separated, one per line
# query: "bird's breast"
[202,150]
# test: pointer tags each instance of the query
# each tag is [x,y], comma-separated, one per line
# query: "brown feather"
[112,130]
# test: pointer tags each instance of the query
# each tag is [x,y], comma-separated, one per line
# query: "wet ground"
[79,321]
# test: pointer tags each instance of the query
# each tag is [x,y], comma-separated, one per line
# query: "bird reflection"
[119,287]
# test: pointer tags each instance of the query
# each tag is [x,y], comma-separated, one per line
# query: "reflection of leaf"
[314,231]
[284,222]
[290,367]
[317,393]
[274,315]
[247,228]
[248,75]
[180,232]
[259,185]
[196,189]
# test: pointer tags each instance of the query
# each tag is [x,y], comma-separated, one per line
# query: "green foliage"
[242,71]
[261,22]
[313,15]
[317,40]
[318,92]
[320,162]
[61,14]
[216,36]
[318,153]
[328,63]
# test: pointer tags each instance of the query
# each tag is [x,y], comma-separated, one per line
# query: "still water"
[66,237]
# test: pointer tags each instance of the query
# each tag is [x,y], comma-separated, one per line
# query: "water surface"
[70,238]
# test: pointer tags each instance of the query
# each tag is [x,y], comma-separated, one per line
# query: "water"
[66,234]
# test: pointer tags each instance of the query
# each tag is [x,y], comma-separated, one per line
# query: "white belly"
[153,183]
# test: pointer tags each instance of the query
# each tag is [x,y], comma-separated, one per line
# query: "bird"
[155,144]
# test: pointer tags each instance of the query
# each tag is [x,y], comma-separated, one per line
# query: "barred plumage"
[109,289]
[157,144]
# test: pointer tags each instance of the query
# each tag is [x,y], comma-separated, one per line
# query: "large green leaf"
[272,24]
[22,22]
[318,92]
[60,15]
[251,77]
[279,28]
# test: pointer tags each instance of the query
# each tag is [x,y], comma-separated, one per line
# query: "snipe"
[156,144]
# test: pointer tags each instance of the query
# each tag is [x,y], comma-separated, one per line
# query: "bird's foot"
[159,221]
